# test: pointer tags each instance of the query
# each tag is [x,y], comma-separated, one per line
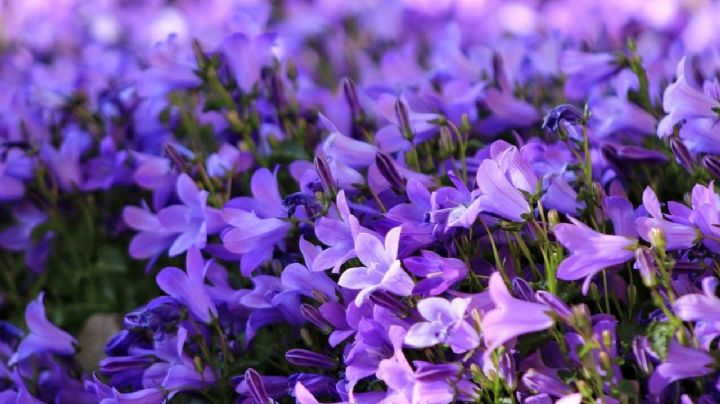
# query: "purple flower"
[18,237]
[440,273]
[228,161]
[403,382]
[191,222]
[445,324]
[677,235]
[44,337]
[65,162]
[701,307]
[246,55]
[382,269]
[591,252]
[498,195]
[15,167]
[586,70]
[256,227]
[681,363]
[339,235]
[683,102]
[503,323]
[152,239]
[189,288]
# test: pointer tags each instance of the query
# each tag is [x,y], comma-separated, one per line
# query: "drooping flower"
[44,337]
[677,235]
[591,252]
[189,288]
[504,323]
[681,363]
[382,269]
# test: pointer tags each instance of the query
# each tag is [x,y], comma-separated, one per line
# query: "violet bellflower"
[703,308]
[681,363]
[44,337]
[403,383]
[504,323]
[590,251]
[255,222]
[191,222]
[498,195]
[339,235]
[445,324]
[189,288]
[677,235]
[382,268]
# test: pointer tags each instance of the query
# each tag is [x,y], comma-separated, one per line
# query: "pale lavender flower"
[681,363]
[189,288]
[445,324]
[591,252]
[503,323]
[382,269]
[44,337]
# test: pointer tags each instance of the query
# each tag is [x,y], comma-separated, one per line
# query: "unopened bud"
[256,387]
[305,358]
[446,141]
[682,154]
[581,317]
[712,165]
[403,116]
[389,171]
[176,158]
[313,315]
[390,302]
[326,178]
[350,91]
[523,289]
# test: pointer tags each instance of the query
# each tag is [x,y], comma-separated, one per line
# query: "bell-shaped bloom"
[586,70]
[511,317]
[44,336]
[683,102]
[590,251]
[171,68]
[64,163]
[19,236]
[706,214]
[677,235]
[445,324]
[189,288]
[498,195]
[382,269]
[701,307]
[681,363]
[246,55]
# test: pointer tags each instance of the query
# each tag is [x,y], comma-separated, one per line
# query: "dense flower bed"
[359,201]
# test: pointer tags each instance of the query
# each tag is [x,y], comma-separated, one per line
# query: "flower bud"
[313,315]
[556,304]
[389,171]
[176,158]
[350,91]
[256,387]
[403,117]
[390,302]
[542,383]
[639,347]
[682,154]
[523,289]
[712,165]
[305,358]
[325,173]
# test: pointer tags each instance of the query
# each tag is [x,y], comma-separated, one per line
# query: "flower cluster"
[397,202]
